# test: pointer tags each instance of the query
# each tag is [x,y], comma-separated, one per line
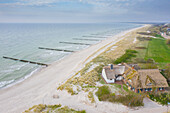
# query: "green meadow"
[158,50]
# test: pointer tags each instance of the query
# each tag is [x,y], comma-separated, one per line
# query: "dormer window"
[130,80]
[149,84]
[149,81]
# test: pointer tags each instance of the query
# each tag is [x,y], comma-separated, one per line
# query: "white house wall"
[105,78]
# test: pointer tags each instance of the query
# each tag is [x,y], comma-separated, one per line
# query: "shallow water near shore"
[22,41]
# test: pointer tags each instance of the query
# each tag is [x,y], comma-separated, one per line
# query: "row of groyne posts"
[92,37]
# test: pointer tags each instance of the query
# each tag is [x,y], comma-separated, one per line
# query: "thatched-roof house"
[143,80]
[113,73]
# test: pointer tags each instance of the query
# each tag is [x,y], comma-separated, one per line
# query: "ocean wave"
[4,83]
[13,68]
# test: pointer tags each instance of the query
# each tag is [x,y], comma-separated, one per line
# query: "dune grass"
[127,56]
[91,97]
[131,99]
[42,108]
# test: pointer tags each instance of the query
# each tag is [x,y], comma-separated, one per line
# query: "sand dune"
[41,86]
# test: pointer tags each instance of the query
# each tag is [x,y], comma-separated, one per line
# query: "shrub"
[168,41]
[132,100]
[91,97]
[70,89]
[103,93]
[129,100]
[150,60]
[162,98]
[127,56]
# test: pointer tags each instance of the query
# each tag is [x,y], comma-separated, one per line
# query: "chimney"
[111,66]
[133,66]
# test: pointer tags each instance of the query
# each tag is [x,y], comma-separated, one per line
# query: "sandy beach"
[41,86]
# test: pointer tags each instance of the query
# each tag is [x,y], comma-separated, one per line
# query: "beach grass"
[130,99]
[42,108]
[91,97]
[126,57]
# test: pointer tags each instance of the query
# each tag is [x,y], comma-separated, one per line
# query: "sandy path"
[40,87]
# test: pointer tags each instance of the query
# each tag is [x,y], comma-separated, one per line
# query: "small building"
[168,31]
[144,80]
[113,73]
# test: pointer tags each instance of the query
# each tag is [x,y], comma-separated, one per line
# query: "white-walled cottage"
[113,73]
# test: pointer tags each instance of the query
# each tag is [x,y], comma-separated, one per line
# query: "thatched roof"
[128,69]
[111,73]
[151,78]
[144,78]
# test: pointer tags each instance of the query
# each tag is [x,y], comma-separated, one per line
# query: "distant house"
[168,31]
[113,73]
[144,80]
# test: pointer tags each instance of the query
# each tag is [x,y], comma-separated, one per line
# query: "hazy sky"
[80,11]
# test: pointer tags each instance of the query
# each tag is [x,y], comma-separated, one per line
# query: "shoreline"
[41,68]
[30,90]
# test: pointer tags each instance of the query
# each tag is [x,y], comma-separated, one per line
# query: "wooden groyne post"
[95,36]
[27,61]
[85,39]
[75,43]
[55,49]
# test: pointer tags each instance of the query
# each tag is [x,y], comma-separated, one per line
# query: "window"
[149,84]
[133,89]
[141,90]
[130,80]
[127,83]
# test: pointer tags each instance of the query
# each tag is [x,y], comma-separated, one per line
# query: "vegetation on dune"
[41,108]
[127,56]
[86,79]
[103,93]
[91,97]
[162,98]
[129,99]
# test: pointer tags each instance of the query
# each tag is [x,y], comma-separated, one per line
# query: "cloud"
[98,7]
[47,2]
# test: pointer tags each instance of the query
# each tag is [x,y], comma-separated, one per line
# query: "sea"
[22,41]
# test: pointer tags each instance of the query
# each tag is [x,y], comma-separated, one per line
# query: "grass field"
[158,50]
[141,52]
